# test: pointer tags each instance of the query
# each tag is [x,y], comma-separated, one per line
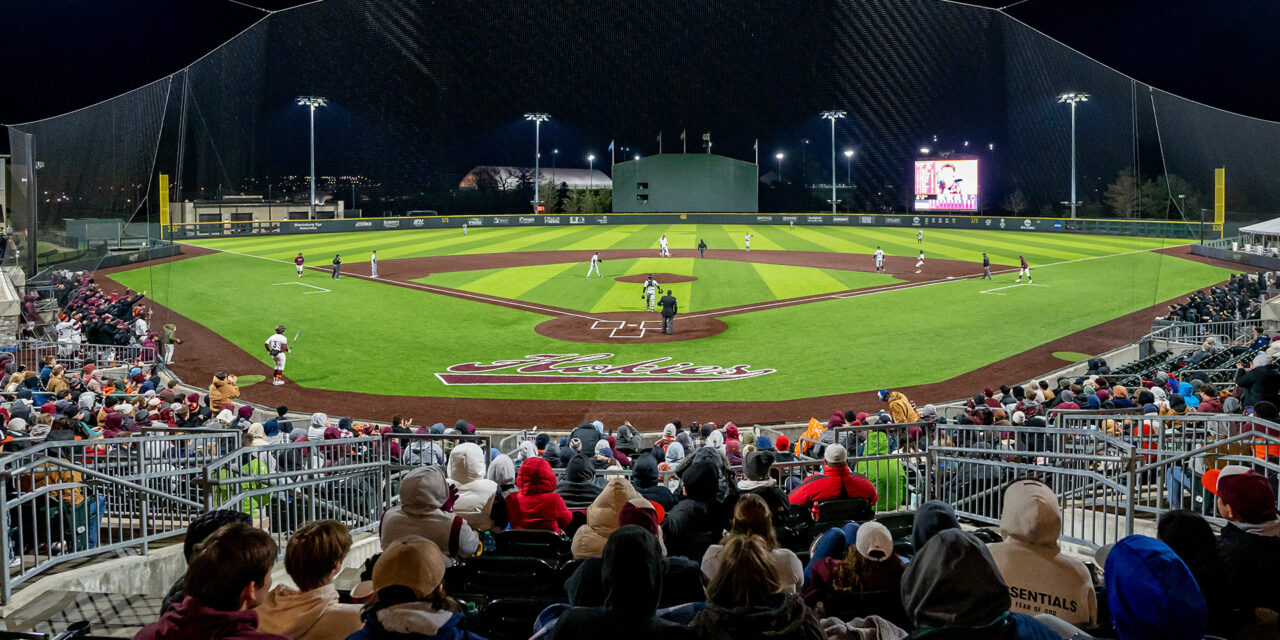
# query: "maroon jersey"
[1024,262]
[298,260]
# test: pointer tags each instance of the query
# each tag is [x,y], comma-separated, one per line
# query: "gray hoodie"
[422,494]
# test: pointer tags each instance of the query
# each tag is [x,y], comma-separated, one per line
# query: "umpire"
[668,303]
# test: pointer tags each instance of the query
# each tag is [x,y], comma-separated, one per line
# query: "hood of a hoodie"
[631,573]
[292,613]
[1031,514]
[877,444]
[1152,593]
[424,490]
[536,477]
[502,470]
[645,471]
[602,515]
[700,480]
[895,396]
[932,517]
[953,582]
[466,463]
[414,620]
[580,469]
[190,619]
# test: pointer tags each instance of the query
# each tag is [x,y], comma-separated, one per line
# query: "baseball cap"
[882,394]
[412,562]
[836,454]
[1211,477]
[1248,494]
[874,541]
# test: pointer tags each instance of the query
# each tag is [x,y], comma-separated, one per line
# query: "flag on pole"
[611,145]
[659,142]
[610,157]
[683,147]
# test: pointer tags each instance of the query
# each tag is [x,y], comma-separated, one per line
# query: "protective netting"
[420,93]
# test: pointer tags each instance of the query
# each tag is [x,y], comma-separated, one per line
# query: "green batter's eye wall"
[685,182]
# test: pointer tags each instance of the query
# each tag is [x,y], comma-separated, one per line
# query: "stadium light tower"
[312,102]
[1072,98]
[538,119]
[832,115]
[591,174]
[779,156]
[848,166]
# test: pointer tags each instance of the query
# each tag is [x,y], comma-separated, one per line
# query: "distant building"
[508,178]
[250,208]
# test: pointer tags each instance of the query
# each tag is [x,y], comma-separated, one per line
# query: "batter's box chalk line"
[614,326]
[303,284]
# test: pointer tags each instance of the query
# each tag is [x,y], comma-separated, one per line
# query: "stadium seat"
[847,605]
[496,577]
[834,513]
[527,543]
[510,618]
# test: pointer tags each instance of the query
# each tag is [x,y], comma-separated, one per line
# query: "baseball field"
[502,323]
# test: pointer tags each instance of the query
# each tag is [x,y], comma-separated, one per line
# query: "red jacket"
[537,505]
[828,486]
[190,619]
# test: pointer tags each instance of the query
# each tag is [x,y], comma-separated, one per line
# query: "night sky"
[745,70]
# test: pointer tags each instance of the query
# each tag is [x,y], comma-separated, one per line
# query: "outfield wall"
[1125,227]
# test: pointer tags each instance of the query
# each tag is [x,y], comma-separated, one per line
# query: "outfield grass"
[371,336]
[719,284]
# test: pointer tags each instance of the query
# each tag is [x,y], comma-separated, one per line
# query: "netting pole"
[313,161]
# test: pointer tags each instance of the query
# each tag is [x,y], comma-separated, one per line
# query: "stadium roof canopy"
[507,178]
[1264,228]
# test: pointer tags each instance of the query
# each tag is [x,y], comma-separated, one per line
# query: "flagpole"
[659,143]
[757,148]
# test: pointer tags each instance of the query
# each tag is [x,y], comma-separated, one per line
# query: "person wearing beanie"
[1041,579]
[763,443]
[1151,592]
[756,466]
[835,482]
[783,446]
[645,476]
[426,509]
[1250,542]
[408,596]
[698,519]
[541,442]
[587,434]
[900,408]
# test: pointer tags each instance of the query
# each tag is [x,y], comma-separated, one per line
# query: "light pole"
[832,115]
[555,155]
[312,102]
[538,119]
[848,173]
[591,174]
[778,156]
[1072,98]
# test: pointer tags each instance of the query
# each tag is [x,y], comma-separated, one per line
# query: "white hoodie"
[1040,578]
[475,493]
[308,615]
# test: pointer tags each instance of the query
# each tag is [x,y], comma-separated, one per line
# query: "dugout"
[685,182]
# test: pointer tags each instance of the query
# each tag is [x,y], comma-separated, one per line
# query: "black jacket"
[1258,384]
[644,474]
[668,303]
[697,521]
[588,435]
[579,487]
[1252,563]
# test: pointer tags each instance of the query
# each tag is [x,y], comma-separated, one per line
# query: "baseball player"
[879,255]
[1024,270]
[373,265]
[595,266]
[702,248]
[464,228]
[791,225]
[920,261]
[297,262]
[337,265]
[663,251]
[748,241]
[986,267]
[920,236]
[278,345]
[650,291]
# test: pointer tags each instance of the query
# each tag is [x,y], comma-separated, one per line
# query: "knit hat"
[757,464]
[762,442]
[836,455]
[542,440]
[639,512]
[413,563]
[783,443]
[874,541]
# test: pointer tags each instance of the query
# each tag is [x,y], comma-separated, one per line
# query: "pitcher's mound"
[662,278]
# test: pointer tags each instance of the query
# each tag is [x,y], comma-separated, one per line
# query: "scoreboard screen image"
[946,185]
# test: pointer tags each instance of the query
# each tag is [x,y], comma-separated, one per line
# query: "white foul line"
[1027,284]
[303,284]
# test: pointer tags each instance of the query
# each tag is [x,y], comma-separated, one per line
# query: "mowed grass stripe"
[570,288]
[785,281]
[727,283]
[500,283]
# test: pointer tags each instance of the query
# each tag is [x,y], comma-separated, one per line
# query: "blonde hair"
[747,576]
[751,517]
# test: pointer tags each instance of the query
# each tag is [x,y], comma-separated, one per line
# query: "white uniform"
[748,241]
[595,267]
[464,228]
[373,265]
[650,292]
[140,328]
[919,236]
[879,260]
[662,247]
[278,342]
[68,337]
[920,262]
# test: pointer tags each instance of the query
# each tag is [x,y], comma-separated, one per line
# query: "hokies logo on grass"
[572,368]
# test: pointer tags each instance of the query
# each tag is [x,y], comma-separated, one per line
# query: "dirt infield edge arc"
[204,352]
